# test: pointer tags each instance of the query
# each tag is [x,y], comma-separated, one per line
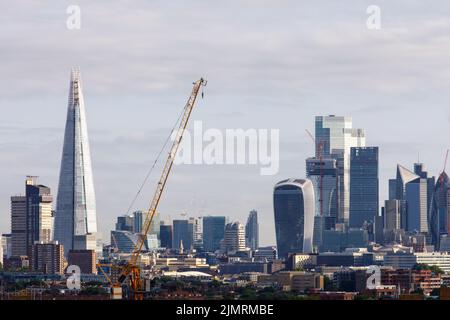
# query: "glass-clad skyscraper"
[324,176]
[166,236]
[76,209]
[416,201]
[336,136]
[439,218]
[364,185]
[213,232]
[294,209]
[252,231]
[183,235]
[404,176]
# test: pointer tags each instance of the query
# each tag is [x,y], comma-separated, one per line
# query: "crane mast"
[131,267]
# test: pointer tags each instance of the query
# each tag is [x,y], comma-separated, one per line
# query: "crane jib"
[131,267]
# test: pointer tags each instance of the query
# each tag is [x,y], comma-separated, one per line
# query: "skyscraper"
[420,170]
[403,177]
[294,208]
[234,237]
[138,218]
[391,215]
[392,189]
[125,223]
[364,185]
[417,204]
[213,232]
[31,217]
[323,174]
[440,209]
[336,136]
[76,209]
[252,231]
[39,212]
[18,226]
[183,232]
[197,237]
[166,236]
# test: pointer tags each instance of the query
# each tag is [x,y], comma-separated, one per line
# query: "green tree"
[248,293]
[424,266]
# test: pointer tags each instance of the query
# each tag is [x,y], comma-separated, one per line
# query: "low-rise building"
[242,267]
[307,281]
[405,260]
[336,295]
[265,254]
[301,261]
[293,280]
[408,280]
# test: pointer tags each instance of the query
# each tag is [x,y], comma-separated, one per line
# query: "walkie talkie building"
[294,209]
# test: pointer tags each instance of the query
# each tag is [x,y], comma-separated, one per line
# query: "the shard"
[75,216]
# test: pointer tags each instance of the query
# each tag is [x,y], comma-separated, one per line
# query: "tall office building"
[294,209]
[39,212]
[76,209]
[404,176]
[19,226]
[440,209]
[391,215]
[197,236]
[364,185]
[324,176]
[31,217]
[392,189]
[183,235]
[234,237]
[417,204]
[334,138]
[138,219]
[213,232]
[125,223]
[420,170]
[166,236]
[134,223]
[252,231]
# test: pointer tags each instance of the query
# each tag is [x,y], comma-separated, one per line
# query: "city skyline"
[141,103]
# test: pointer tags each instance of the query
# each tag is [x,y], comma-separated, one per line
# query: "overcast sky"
[270,64]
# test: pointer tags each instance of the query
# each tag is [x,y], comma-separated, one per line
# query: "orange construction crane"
[131,270]
[319,150]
